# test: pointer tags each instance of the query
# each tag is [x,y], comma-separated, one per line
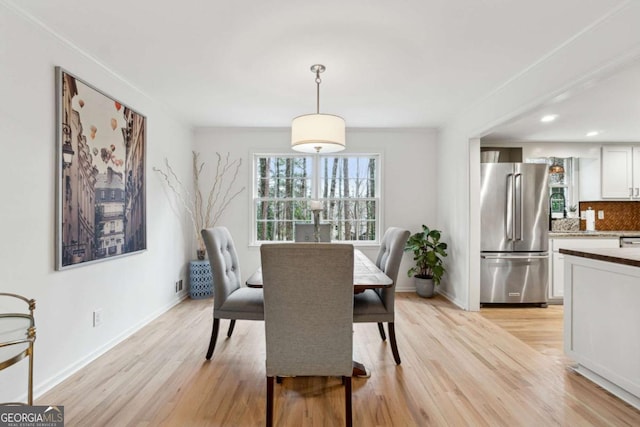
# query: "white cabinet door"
[556,282]
[636,172]
[556,290]
[617,172]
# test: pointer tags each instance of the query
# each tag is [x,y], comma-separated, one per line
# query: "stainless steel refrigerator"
[514,233]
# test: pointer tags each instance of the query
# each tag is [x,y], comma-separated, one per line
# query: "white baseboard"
[612,388]
[437,290]
[46,385]
[451,299]
[406,289]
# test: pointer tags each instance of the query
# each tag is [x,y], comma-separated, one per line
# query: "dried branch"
[200,216]
[181,192]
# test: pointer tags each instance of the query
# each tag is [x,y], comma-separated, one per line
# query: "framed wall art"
[101,201]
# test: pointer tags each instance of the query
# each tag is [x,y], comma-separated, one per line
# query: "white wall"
[131,290]
[409,178]
[610,41]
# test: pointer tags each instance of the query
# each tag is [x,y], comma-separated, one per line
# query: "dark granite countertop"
[626,256]
[593,234]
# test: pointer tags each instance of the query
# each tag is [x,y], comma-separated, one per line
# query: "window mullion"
[363,203]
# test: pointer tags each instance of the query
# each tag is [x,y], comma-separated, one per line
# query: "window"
[348,186]
[563,184]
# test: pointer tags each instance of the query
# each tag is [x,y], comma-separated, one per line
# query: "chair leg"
[394,345]
[381,329]
[270,401]
[347,399]
[214,337]
[231,326]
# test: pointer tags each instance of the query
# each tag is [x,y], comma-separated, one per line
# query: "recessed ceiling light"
[593,133]
[549,118]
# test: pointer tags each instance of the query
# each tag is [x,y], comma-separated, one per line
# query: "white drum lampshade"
[318,133]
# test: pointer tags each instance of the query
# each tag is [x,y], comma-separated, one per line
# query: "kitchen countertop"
[626,256]
[593,234]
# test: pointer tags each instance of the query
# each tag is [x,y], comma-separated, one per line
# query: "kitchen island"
[598,234]
[602,318]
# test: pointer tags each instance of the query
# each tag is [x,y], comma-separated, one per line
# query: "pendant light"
[318,133]
[556,166]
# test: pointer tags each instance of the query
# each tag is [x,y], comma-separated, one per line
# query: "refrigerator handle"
[518,203]
[509,208]
[515,256]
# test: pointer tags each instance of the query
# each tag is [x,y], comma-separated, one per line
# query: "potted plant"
[572,211]
[428,253]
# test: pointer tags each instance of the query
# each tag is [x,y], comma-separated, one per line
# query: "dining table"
[366,275]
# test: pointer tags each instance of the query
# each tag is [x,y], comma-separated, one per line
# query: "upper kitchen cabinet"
[620,172]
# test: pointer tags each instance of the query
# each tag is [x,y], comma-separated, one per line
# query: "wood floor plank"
[458,369]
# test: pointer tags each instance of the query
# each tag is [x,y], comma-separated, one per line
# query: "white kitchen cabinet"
[620,172]
[556,288]
[556,279]
[602,323]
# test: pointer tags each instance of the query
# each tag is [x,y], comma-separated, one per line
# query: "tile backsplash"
[618,216]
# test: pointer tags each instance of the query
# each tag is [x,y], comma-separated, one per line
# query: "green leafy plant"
[428,253]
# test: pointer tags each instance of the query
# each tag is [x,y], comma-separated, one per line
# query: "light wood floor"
[540,328]
[458,369]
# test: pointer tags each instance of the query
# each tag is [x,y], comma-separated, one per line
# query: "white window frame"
[315,190]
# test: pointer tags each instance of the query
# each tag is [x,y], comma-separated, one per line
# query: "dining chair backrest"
[308,302]
[303,232]
[223,259]
[389,258]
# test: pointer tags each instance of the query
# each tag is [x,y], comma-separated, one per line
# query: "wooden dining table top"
[366,275]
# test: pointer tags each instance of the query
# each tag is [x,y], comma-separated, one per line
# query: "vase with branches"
[205,208]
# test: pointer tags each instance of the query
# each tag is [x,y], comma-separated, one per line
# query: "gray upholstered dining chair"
[308,307]
[230,299]
[379,305]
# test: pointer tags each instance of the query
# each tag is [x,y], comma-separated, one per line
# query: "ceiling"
[608,105]
[407,63]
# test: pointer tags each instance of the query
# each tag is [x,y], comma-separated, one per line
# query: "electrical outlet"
[97,317]
[600,214]
[180,285]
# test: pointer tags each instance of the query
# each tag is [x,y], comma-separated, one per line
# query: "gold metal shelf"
[17,335]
